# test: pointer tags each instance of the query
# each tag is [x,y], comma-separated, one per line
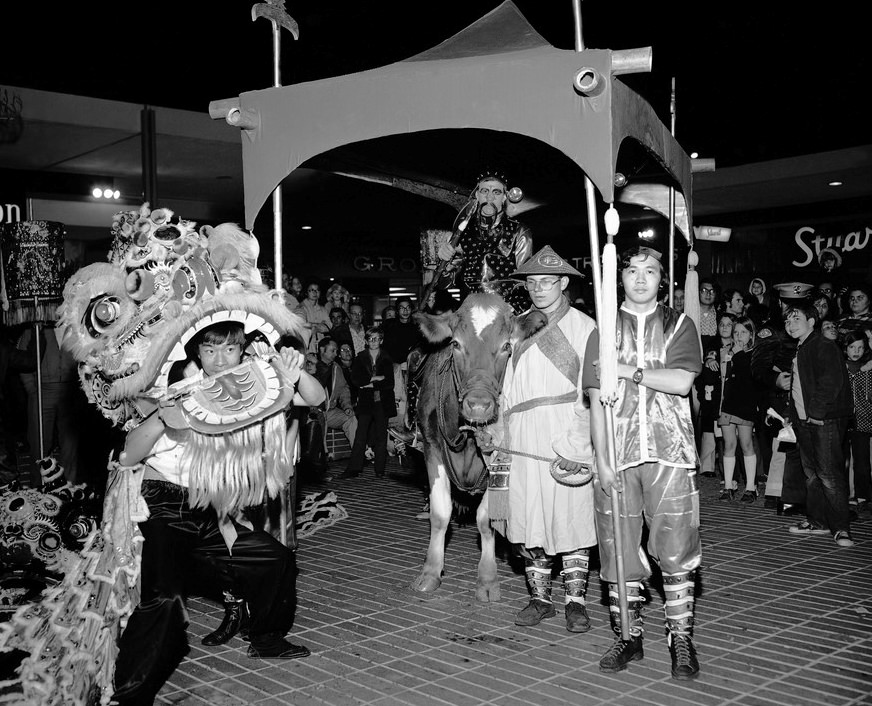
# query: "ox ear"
[528,324]
[436,328]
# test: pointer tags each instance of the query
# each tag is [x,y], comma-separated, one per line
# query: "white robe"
[542,512]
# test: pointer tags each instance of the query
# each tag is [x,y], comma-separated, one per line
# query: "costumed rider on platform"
[491,247]
[540,495]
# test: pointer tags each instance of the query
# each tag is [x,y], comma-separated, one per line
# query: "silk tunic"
[657,428]
[542,512]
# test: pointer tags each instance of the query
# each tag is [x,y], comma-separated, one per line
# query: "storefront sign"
[10,213]
[363,263]
[811,243]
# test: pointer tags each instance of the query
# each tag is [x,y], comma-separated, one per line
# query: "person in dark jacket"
[771,362]
[373,374]
[821,405]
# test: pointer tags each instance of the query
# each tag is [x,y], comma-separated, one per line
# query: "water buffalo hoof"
[488,592]
[426,583]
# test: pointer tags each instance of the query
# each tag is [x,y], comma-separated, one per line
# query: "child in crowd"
[739,410]
[859,361]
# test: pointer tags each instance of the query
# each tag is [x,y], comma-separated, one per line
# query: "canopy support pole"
[617,494]
[275,12]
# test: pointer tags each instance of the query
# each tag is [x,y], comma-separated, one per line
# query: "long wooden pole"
[617,491]
[274,11]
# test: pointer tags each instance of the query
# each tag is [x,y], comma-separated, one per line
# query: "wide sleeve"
[683,351]
[575,442]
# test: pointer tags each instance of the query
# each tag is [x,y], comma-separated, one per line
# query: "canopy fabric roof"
[497,74]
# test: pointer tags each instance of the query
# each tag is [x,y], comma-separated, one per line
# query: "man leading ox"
[543,451]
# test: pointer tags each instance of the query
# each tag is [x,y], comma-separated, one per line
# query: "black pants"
[180,541]
[371,425]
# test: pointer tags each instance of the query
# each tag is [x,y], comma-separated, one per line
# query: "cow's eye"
[455,344]
[507,347]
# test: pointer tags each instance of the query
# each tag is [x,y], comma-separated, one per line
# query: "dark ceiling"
[754,81]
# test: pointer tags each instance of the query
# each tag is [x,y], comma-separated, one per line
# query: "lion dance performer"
[179,343]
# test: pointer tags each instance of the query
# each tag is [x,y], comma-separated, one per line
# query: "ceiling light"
[305,227]
[647,234]
[107,193]
[835,183]
[694,155]
[97,192]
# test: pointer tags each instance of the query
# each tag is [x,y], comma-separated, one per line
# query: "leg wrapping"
[635,601]
[679,604]
[575,574]
[539,578]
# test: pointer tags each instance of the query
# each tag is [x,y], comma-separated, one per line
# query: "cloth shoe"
[843,539]
[534,613]
[274,646]
[806,527]
[684,662]
[577,619]
[621,653]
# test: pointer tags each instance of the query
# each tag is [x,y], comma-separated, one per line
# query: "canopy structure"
[497,74]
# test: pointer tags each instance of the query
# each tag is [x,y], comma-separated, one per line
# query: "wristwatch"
[637,376]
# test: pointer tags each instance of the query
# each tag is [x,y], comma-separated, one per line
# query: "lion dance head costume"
[129,322]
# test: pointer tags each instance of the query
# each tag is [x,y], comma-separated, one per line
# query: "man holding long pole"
[658,359]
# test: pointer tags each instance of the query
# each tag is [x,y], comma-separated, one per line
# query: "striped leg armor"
[575,572]
[678,589]
[622,652]
[538,570]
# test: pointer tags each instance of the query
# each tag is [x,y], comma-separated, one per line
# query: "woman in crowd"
[315,314]
[338,297]
[739,410]
[859,318]
[858,357]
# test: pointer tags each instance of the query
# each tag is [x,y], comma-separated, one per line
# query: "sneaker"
[577,619]
[534,613]
[621,653]
[843,539]
[726,496]
[806,527]
[749,496]
[684,662]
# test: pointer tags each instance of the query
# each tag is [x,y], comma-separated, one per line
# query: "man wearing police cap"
[771,365]
[543,439]
[492,245]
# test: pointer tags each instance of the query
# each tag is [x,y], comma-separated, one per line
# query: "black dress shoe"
[272,646]
[792,510]
[348,473]
[235,613]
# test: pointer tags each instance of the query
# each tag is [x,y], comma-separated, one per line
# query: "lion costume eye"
[102,312]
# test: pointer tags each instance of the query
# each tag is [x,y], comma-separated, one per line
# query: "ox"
[460,386]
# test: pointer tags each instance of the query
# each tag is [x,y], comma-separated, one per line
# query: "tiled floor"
[782,620]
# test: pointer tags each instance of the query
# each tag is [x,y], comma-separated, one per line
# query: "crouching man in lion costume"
[180,343]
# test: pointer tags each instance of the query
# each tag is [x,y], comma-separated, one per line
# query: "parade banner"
[32,262]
